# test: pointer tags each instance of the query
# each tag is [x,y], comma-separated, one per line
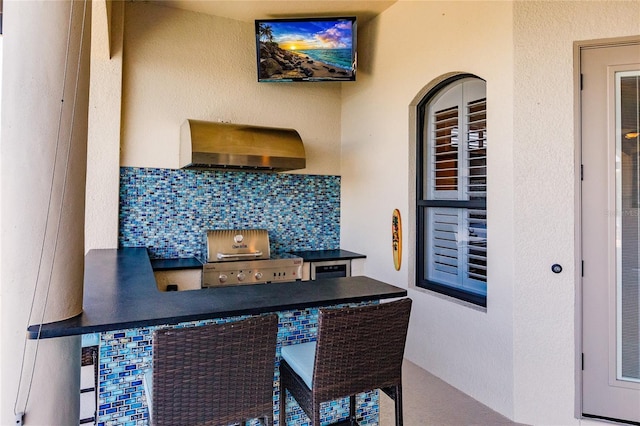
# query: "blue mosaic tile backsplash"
[168,211]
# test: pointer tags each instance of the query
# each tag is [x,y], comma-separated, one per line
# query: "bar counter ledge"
[122,305]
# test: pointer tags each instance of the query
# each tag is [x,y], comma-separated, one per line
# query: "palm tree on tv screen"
[265,32]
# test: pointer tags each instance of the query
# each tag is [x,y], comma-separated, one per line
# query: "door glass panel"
[628,225]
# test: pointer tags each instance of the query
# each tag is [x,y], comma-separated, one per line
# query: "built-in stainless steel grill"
[243,256]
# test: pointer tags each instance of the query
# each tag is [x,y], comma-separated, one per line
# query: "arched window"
[452,189]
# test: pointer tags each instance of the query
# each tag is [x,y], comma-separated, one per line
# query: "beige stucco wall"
[545,189]
[103,140]
[43,160]
[401,52]
[180,65]
[525,342]
[1,296]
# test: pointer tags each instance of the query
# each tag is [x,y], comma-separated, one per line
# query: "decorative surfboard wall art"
[396,238]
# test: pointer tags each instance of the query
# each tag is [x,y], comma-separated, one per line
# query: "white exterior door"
[610,122]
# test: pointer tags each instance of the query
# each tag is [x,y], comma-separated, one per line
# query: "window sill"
[451,298]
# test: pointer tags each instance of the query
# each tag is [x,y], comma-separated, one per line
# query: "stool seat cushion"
[301,358]
[147,380]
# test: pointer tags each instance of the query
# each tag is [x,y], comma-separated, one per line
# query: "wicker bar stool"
[358,350]
[215,374]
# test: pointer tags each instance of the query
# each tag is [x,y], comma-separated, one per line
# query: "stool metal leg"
[283,406]
[398,400]
[352,410]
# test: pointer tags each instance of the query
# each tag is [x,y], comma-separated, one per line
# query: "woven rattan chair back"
[214,374]
[358,349]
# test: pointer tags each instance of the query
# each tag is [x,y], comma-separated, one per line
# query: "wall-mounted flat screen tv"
[307,49]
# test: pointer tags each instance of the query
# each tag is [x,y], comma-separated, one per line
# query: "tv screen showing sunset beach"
[306,49]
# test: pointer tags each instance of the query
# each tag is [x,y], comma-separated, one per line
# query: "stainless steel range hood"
[222,146]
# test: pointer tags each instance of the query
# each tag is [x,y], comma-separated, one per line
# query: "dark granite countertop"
[171,264]
[325,255]
[120,292]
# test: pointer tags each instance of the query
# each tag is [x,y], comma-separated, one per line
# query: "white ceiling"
[250,10]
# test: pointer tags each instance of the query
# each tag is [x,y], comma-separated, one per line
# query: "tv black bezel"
[336,79]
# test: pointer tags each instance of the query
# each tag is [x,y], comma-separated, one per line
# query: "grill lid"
[225,245]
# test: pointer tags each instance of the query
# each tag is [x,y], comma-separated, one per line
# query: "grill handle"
[222,256]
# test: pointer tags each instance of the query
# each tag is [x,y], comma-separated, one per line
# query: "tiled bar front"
[126,354]
[120,294]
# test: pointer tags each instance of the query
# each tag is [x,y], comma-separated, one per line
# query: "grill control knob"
[222,278]
[258,275]
[241,276]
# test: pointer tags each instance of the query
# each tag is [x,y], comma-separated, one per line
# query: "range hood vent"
[221,146]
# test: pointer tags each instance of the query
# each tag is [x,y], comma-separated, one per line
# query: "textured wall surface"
[183,65]
[180,65]
[103,144]
[545,186]
[168,211]
[42,195]
[524,50]
[402,51]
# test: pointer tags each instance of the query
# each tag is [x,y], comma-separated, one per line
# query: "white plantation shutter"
[477,148]
[476,219]
[444,244]
[476,250]
[445,153]
[456,165]
[445,118]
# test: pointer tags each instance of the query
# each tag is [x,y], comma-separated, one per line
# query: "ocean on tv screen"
[298,50]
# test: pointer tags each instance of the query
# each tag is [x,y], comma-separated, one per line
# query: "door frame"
[578,46]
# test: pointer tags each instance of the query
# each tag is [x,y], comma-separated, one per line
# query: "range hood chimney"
[222,146]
